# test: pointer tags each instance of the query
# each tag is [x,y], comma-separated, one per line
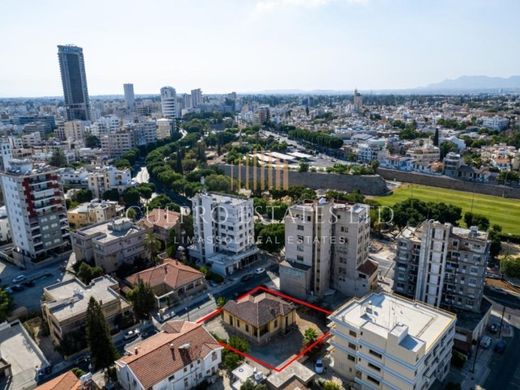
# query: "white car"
[485,342]
[318,366]
[132,334]
[19,278]
[259,271]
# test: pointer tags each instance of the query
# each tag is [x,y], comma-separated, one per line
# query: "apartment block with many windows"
[384,341]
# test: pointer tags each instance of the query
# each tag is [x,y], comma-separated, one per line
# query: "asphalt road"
[502,297]
[505,368]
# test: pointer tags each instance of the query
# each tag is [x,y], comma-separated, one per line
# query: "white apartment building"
[105,125]
[496,122]
[5,230]
[326,247]
[442,264]
[117,143]
[32,139]
[169,102]
[36,211]
[384,341]
[71,177]
[108,177]
[223,232]
[144,133]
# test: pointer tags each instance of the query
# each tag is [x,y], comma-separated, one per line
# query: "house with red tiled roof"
[259,317]
[171,281]
[161,222]
[182,356]
[69,381]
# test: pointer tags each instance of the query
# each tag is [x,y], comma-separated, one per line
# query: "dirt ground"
[283,346]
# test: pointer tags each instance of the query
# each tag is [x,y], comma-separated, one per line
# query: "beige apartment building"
[326,247]
[109,244]
[64,306]
[384,341]
[92,212]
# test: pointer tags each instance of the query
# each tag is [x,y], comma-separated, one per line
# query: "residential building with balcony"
[108,177]
[95,211]
[384,341]
[64,305]
[223,232]
[181,356]
[171,282]
[326,247]
[109,244]
[36,211]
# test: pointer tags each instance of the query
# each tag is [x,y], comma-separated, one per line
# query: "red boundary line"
[283,365]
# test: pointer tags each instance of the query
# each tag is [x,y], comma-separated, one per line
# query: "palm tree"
[309,336]
[152,245]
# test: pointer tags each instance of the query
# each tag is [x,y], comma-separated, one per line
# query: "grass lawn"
[502,211]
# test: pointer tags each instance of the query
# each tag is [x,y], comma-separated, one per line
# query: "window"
[373,380]
[172,377]
[352,333]
[376,354]
[214,356]
[351,358]
[275,323]
[374,367]
[300,227]
[247,328]
[352,346]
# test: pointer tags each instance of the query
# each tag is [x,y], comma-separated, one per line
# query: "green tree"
[220,301]
[58,158]
[481,221]
[102,350]
[496,243]
[250,385]
[86,273]
[91,141]
[112,194]
[331,385]
[436,138]
[82,195]
[6,303]
[304,167]
[152,245]
[122,163]
[447,147]
[131,197]
[309,336]
[143,300]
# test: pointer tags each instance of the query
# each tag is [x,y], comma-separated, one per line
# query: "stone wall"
[450,183]
[366,184]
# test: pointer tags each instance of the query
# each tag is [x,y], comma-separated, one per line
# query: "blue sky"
[252,45]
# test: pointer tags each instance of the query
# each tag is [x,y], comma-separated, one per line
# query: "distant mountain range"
[472,83]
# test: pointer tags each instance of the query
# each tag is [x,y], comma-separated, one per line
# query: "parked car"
[28,283]
[493,328]
[17,287]
[259,271]
[318,366]
[500,346]
[8,290]
[19,278]
[132,334]
[485,342]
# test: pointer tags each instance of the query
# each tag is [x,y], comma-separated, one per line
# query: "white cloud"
[270,5]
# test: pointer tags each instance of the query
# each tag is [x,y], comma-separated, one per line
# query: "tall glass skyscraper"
[74,80]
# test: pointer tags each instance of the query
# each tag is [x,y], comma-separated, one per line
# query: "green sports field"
[501,211]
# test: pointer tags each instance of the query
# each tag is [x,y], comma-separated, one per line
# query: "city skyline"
[251,46]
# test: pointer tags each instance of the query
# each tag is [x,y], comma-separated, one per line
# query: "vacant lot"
[502,211]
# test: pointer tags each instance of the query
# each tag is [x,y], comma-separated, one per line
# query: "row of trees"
[317,138]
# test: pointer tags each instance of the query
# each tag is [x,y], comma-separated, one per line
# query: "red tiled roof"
[66,381]
[165,353]
[259,310]
[171,272]
[162,218]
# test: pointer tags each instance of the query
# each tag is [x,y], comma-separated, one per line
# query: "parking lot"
[28,292]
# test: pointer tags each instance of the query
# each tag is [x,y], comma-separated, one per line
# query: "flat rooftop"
[386,314]
[70,298]
[21,352]
[110,230]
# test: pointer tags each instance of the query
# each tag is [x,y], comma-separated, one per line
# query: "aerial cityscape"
[260,194]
